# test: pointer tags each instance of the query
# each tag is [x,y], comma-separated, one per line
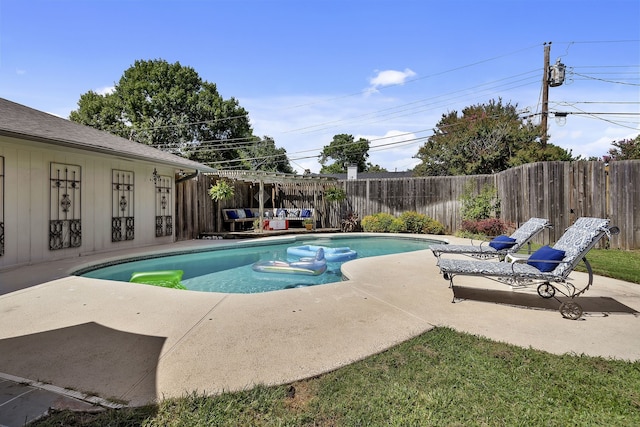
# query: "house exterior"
[67,190]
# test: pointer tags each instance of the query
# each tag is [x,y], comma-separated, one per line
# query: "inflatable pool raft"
[307,266]
[164,278]
[330,254]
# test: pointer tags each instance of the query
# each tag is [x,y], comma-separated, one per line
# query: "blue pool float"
[307,265]
[330,254]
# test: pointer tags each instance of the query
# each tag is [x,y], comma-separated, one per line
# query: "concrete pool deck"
[131,344]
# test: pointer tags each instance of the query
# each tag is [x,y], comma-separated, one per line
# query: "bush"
[407,222]
[397,226]
[433,227]
[476,207]
[377,223]
[413,221]
[485,227]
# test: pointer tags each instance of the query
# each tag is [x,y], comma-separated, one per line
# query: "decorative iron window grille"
[164,219]
[1,205]
[122,215]
[65,226]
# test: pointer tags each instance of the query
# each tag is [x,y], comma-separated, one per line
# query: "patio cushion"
[502,242]
[306,213]
[540,258]
[232,214]
[240,213]
[248,213]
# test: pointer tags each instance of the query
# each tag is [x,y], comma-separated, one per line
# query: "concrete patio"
[126,344]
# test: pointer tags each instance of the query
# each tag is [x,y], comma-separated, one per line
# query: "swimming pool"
[228,269]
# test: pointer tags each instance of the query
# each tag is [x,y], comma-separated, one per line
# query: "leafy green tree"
[170,107]
[345,151]
[487,138]
[265,156]
[375,168]
[626,149]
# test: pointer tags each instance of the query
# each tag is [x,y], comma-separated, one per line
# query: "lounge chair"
[547,267]
[498,247]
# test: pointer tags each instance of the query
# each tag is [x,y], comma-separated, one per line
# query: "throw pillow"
[248,213]
[232,214]
[241,213]
[541,258]
[502,242]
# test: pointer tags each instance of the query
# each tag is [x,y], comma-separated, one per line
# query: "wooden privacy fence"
[559,191]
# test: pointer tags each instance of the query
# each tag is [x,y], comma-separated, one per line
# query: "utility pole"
[545,94]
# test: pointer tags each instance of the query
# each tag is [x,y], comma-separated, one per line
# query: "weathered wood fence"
[559,191]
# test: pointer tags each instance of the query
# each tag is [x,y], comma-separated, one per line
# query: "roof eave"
[102,150]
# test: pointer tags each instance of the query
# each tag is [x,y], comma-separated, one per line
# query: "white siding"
[26,201]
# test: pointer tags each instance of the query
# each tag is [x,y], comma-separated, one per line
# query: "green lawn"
[439,378]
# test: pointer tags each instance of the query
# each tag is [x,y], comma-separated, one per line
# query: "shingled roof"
[19,121]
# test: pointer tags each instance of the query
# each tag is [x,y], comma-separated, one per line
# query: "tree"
[170,107]
[487,138]
[375,168]
[626,149]
[345,152]
[263,155]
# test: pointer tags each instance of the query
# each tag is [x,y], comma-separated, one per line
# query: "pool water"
[229,270]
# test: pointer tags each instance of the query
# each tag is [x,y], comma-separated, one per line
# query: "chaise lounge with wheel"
[498,247]
[549,267]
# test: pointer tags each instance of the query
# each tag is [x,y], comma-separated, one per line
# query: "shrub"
[413,221]
[397,226]
[377,223]
[486,227]
[433,227]
[407,222]
[479,206]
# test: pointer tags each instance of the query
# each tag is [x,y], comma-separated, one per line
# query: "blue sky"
[385,70]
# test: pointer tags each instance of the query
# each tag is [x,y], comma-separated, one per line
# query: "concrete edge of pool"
[137,344]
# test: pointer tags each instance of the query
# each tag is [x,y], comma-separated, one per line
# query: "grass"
[623,265]
[441,378]
[615,263]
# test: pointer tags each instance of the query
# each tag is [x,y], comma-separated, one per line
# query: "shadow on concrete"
[89,358]
[603,305]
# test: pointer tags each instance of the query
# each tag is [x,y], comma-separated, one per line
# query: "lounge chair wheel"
[445,276]
[570,310]
[546,290]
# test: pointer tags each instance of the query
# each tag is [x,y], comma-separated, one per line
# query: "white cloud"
[389,78]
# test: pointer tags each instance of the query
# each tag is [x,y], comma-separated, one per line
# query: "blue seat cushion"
[502,242]
[248,213]
[541,258]
[305,213]
[232,214]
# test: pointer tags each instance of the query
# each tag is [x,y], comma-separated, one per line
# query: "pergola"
[261,178]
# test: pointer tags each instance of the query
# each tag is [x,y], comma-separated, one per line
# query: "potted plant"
[221,191]
[308,223]
[256,225]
